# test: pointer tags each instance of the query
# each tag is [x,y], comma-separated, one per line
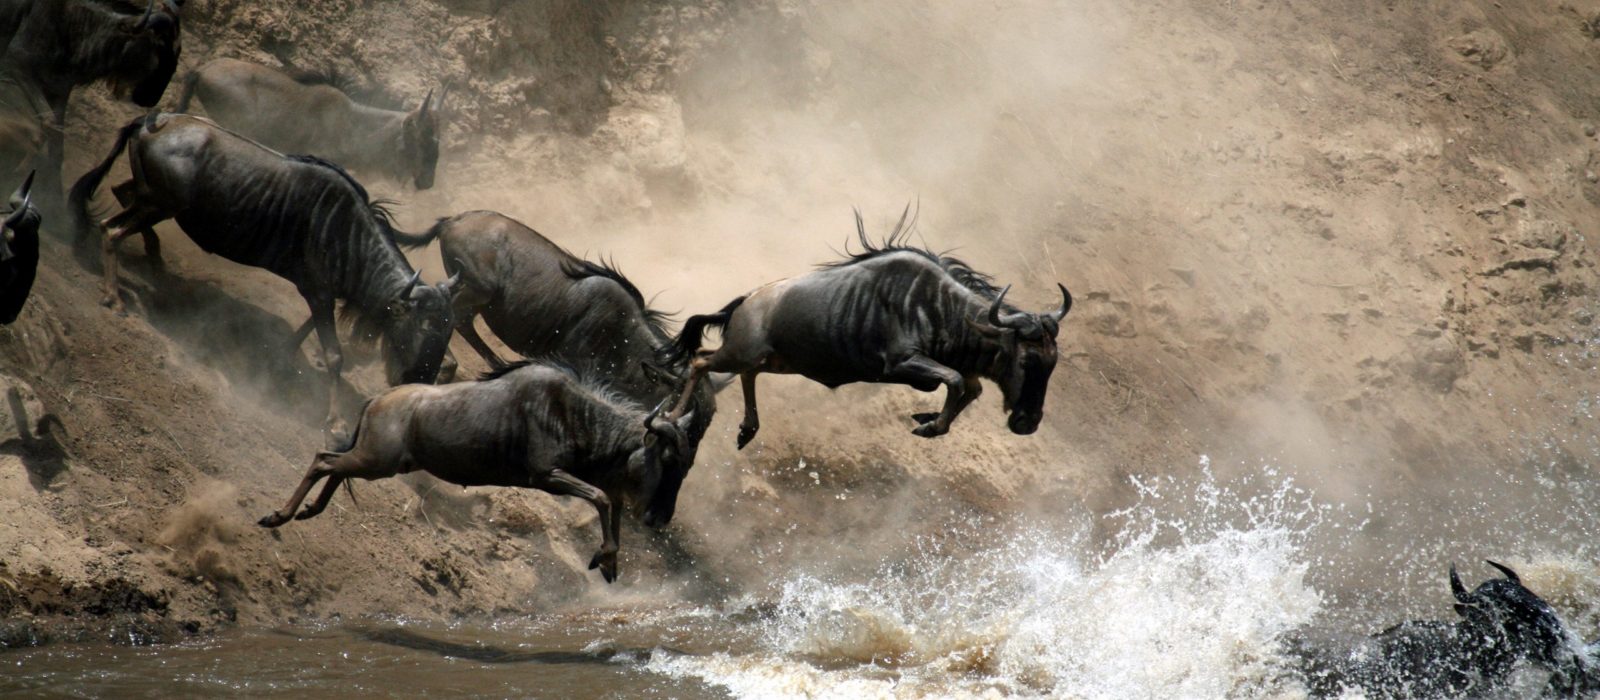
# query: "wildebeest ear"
[1461,610]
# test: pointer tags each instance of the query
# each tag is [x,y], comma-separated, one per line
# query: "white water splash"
[1199,615]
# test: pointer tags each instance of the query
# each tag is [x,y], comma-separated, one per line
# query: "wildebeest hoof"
[115,305]
[338,437]
[746,434]
[921,418]
[272,520]
[928,430]
[606,564]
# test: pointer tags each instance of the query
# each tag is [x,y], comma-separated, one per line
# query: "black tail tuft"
[688,341]
[413,241]
[83,190]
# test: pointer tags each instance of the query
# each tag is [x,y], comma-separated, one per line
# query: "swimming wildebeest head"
[300,217]
[543,301]
[314,113]
[19,251]
[1502,624]
[893,314]
[529,424]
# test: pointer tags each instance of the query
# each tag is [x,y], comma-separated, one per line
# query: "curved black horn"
[411,286]
[1066,304]
[27,198]
[1456,587]
[1507,571]
[427,102]
[449,286]
[999,320]
[149,11]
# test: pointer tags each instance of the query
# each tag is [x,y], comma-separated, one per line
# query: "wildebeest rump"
[309,114]
[304,219]
[19,252]
[528,424]
[56,46]
[1502,625]
[544,302]
[892,314]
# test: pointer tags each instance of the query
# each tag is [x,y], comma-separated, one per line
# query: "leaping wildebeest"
[545,302]
[892,314]
[310,114]
[19,252]
[300,217]
[527,424]
[56,46]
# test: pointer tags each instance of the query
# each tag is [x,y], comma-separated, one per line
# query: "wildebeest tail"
[688,341]
[83,190]
[354,435]
[190,82]
[412,241]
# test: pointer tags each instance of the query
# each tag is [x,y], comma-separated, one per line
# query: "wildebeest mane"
[365,323]
[898,241]
[581,269]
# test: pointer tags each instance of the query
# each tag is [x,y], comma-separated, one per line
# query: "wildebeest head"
[418,331]
[419,142]
[144,51]
[22,220]
[663,463]
[1503,609]
[1026,357]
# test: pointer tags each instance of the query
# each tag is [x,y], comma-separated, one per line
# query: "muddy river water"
[1194,607]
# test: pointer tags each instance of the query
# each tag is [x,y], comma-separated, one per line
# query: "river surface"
[1197,607]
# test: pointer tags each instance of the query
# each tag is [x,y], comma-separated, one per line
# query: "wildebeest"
[527,424]
[542,301]
[56,46]
[310,114]
[1502,625]
[300,217]
[891,314]
[19,252]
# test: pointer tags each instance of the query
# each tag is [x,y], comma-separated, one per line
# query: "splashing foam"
[1179,609]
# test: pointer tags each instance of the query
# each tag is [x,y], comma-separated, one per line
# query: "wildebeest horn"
[1507,571]
[999,320]
[27,197]
[1066,304]
[411,286]
[427,102]
[149,11]
[1456,587]
[449,285]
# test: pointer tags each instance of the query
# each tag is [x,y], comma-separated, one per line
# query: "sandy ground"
[1348,242]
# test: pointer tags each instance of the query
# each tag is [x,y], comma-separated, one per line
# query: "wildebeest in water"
[310,114]
[55,46]
[302,218]
[892,314]
[527,424]
[19,252]
[544,302]
[1502,625]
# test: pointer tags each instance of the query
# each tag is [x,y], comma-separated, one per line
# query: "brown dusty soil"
[1347,239]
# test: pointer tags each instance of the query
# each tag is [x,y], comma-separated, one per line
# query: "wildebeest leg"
[321,466]
[920,370]
[971,390]
[124,193]
[752,420]
[125,223]
[469,332]
[323,498]
[561,483]
[333,360]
